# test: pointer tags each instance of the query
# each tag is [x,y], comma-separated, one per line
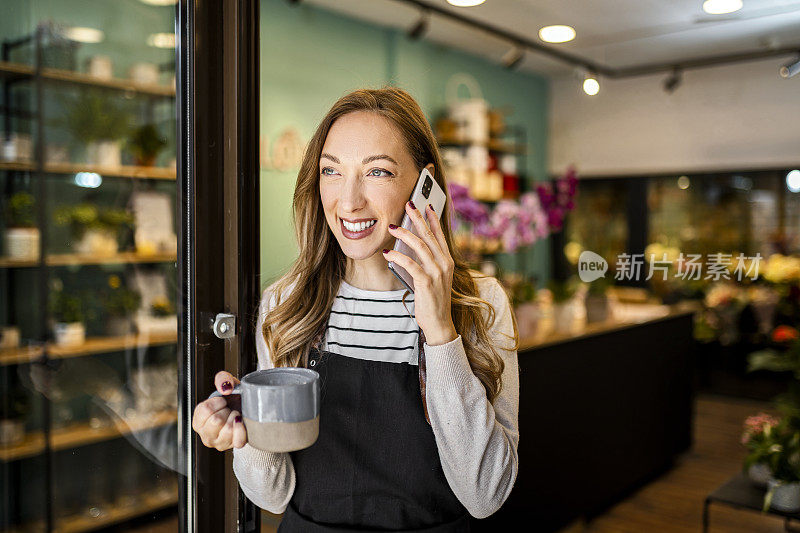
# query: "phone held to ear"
[427,191]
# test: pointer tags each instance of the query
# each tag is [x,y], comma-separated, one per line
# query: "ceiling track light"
[420,27]
[790,69]
[513,57]
[590,84]
[673,81]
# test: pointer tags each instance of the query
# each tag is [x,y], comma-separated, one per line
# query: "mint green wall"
[310,57]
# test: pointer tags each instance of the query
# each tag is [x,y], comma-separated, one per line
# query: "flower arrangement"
[559,200]
[510,224]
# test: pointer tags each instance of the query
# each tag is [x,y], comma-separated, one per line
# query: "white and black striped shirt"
[374,325]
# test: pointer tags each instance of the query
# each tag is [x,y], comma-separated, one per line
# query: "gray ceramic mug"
[280,408]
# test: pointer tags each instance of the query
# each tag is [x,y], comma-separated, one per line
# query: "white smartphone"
[427,191]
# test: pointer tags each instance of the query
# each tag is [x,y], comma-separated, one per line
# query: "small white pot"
[100,67]
[759,474]
[98,242]
[22,243]
[104,153]
[785,496]
[69,334]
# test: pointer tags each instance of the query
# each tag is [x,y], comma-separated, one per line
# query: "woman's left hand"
[433,279]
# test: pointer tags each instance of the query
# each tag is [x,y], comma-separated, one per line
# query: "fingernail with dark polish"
[385,251]
[412,204]
[227,385]
[392,226]
[238,419]
[431,206]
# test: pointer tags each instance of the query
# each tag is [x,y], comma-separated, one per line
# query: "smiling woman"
[378,349]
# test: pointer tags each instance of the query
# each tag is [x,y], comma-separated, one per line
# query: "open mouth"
[357,230]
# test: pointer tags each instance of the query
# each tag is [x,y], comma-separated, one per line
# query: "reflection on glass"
[88,328]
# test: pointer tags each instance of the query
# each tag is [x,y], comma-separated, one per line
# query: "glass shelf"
[79,78]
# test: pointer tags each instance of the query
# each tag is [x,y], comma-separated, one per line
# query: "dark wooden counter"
[601,413]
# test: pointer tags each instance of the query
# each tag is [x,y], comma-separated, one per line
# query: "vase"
[104,153]
[119,326]
[69,333]
[22,243]
[597,308]
[759,474]
[98,242]
[785,496]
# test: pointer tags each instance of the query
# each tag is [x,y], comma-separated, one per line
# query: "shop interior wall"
[310,57]
[733,117]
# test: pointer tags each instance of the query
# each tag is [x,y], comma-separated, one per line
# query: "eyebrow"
[365,161]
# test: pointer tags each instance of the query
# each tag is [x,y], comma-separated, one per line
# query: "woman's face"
[366,175]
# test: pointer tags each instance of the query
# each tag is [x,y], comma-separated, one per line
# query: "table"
[741,493]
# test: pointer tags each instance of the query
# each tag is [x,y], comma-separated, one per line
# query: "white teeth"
[359,226]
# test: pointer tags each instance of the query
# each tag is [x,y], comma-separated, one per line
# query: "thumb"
[224,382]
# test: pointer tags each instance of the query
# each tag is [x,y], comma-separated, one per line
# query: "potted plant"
[783,488]
[758,438]
[68,313]
[119,302]
[145,143]
[99,123]
[95,229]
[598,308]
[22,235]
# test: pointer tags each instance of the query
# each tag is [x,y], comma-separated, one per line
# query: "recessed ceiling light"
[591,86]
[720,7]
[557,34]
[793,180]
[465,3]
[161,40]
[84,35]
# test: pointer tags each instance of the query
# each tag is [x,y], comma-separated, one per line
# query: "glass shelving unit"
[88,422]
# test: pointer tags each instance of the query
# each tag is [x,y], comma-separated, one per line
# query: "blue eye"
[379,170]
[325,173]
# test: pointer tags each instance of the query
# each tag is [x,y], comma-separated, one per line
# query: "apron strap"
[317,344]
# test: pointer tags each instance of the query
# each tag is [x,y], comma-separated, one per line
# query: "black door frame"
[217,82]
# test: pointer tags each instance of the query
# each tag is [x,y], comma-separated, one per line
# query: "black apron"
[375,465]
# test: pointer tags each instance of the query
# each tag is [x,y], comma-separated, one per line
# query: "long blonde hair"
[297,317]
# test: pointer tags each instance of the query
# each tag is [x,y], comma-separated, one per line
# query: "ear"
[430,168]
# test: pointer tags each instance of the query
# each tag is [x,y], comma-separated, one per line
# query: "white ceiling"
[616,33]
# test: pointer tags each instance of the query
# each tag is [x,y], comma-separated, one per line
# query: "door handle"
[225,325]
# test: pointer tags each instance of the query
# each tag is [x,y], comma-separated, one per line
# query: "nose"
[351,195]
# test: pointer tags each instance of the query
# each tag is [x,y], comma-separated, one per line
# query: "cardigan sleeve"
[266,478]
[477,440]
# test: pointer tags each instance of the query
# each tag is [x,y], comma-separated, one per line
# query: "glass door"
[88,269]
[125,230]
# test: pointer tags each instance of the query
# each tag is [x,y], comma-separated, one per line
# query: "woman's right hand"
[219,426]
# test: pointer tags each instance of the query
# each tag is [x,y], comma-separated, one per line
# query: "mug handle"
[236,390]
